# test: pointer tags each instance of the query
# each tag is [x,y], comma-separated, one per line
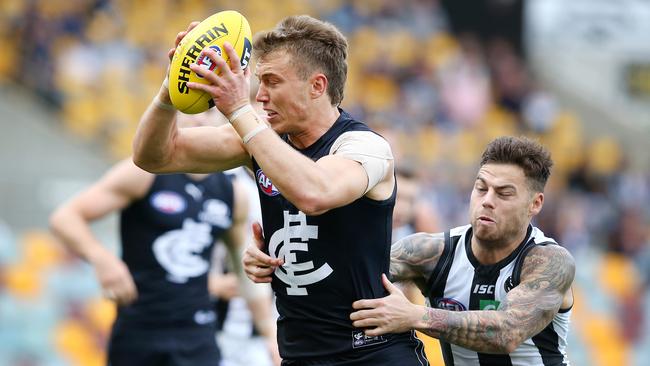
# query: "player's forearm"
[261,312]
[299,178]
[75,233]
[152,145]
[481,331]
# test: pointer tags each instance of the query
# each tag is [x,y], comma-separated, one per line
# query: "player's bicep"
[207,149]
[346,180]
[547,274]
[122,184]
[375,157]
[414,257]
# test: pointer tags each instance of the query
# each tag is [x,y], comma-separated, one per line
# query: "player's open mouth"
[485,219]
[270,114]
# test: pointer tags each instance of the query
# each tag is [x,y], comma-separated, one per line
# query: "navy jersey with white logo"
[460,282]
[167,240]
[331,260]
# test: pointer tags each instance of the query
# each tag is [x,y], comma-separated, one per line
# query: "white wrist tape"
[261,127]
[241,110]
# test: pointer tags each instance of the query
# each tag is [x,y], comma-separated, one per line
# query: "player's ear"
[318,83]
[536,204]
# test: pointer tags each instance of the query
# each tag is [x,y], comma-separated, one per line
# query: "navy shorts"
[405,351]
[174,347]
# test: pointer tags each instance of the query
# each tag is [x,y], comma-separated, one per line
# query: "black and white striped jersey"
[459,282]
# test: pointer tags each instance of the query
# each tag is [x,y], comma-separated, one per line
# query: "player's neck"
[196,176]
[492,252]
[320,121]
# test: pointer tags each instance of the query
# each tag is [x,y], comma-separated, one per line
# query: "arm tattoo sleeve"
[547,274]
[415,256]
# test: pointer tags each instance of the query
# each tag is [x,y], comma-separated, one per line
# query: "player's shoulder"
[459,230]
[551,250]
[551,262]
[362,137]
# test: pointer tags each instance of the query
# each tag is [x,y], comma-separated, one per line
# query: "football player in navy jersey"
[168,227]
[325,180]
[516,281]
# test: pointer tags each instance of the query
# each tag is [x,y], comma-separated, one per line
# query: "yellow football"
[226,26]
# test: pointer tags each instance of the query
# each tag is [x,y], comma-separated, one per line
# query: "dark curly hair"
[530,155]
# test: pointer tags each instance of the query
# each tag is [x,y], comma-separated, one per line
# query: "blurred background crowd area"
[439,79]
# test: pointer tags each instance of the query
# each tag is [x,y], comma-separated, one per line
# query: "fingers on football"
[233,58]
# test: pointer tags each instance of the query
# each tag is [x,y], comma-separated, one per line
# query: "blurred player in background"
[239,340]
[326,184]
[168,227]
[412,213]
[500,290]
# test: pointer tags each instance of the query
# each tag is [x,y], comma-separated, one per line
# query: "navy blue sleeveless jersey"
[167,240]
[331,260]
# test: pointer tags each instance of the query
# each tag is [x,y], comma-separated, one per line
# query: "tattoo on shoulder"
[548,267]
[415,256]
[547,274]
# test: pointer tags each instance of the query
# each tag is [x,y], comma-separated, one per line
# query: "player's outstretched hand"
[258,265]
[390,314]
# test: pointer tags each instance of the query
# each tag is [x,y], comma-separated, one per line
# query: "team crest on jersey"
[508,285]
[168,202]
[294,237]
[179,252]
[216,212]
[449,304]
[265,184]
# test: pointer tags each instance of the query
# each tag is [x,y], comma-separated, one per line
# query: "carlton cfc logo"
[265,184]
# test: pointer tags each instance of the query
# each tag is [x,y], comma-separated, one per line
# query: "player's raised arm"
[361,166]
[160,146]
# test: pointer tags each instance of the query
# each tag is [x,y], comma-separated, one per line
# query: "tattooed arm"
[546,278]
[414,257]
[547,274]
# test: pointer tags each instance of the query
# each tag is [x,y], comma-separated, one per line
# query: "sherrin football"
[226,26]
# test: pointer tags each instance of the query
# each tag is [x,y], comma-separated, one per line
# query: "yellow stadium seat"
[604,156]
[77,344]
[101,314]
[41,250]
[22,281]
[618,275]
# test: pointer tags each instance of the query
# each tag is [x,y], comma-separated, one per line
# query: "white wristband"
[261,127]
[241,110]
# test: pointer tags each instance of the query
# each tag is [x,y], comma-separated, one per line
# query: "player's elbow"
[508,343]
[499,347]
[153,162]
[57,220]
[311,204]
[145,163]
[509,347]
